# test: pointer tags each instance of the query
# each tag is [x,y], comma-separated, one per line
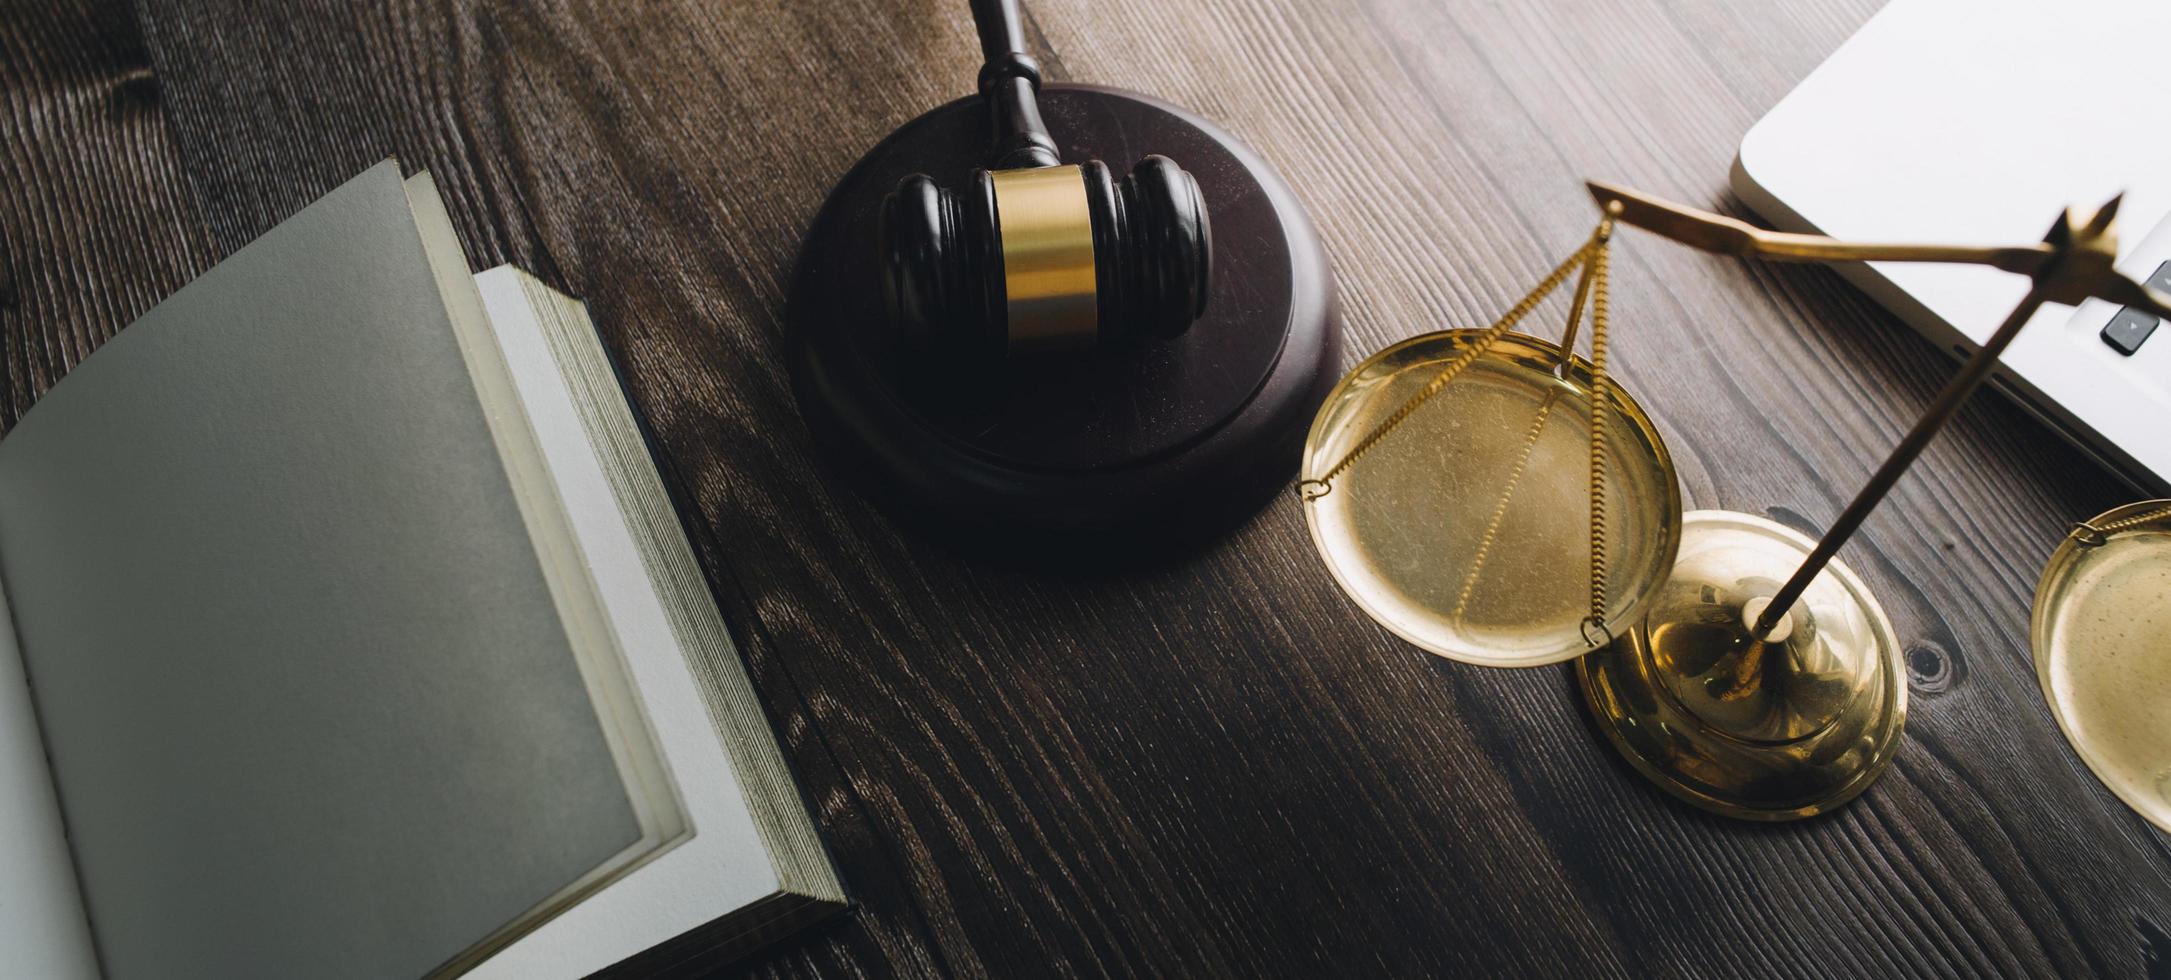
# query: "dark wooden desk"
[1219,767]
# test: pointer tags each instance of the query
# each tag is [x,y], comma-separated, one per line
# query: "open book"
[350,631]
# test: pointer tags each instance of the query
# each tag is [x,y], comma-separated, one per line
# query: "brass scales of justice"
[1496,499]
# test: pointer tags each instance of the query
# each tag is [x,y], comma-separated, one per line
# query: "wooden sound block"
[1109,450]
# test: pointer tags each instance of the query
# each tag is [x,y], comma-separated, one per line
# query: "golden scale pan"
[1525,552]
[1497,500]
[2102,638]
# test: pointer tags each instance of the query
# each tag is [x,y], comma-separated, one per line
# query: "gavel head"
[1046,258]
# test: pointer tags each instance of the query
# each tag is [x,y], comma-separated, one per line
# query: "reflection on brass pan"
[1467,530]
[1789,726]
[2102,637]
[1489,496]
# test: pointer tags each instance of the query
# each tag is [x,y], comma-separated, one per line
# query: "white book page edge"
[726,865]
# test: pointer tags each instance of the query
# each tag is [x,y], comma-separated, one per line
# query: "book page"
[42,928]
[311,707]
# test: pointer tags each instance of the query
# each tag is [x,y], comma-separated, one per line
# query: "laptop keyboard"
[2131,328]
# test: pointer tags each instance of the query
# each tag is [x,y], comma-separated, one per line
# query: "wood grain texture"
[1217,766]
[96,221]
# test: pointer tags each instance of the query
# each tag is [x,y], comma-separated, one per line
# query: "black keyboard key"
[2160,280]
[2130,327]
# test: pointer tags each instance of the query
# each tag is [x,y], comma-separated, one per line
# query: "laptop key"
[2160,280]
[2130,328]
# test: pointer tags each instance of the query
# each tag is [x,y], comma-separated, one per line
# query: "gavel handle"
[1009,79]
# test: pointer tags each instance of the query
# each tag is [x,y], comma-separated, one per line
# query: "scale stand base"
[1779,729]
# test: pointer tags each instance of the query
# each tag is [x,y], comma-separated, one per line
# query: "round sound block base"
[1116,449]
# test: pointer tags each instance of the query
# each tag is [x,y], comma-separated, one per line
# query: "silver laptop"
[1978,121]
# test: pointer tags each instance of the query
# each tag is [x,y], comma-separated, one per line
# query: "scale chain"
[1601,395]
[2091,534]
